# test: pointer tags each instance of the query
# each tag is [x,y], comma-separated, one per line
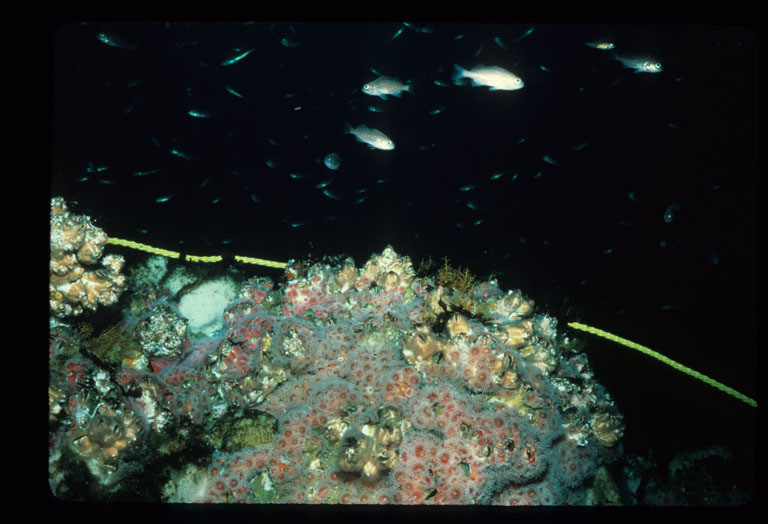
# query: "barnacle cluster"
[388,270]
[163,332]
[102,437]
[373,448]
[80,278]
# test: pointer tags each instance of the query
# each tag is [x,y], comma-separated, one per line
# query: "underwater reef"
[341,384]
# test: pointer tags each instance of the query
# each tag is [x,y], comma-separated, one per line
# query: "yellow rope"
[260,261]
[666,360]
[192,258]
[143,247]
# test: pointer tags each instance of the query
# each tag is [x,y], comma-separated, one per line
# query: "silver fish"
[603,45]
[496,78]
[385,86]
[373,137]
[641,64]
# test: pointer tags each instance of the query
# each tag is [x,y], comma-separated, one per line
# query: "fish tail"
[347,127]
[409,86]
[458,74]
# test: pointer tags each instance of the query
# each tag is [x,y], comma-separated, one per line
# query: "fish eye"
[367,86]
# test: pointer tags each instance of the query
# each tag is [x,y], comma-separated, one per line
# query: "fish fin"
[384,96]
[458,74]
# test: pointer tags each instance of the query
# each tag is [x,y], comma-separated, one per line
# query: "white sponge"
[204,306]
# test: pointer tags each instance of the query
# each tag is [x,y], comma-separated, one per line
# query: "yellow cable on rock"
[260,261]
[143,247]
[195,258]
[192,258]
[651,353]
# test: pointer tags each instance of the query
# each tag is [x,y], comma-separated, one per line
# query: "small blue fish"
[180,154]
[670,307]
[287,42]
[324,183]
[671,211]
[468,187]
[198,114]
[437,111]
[332,161]
[237,58]
[114,41]
[500,43]
[163,199]
[255,198]
[526,34]
[397,33]
[95,169]
[145,173]
[549,160]
[330,194]
[233,92]
[419,29]
[129,109]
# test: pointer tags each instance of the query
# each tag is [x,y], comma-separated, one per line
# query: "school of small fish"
[502,76]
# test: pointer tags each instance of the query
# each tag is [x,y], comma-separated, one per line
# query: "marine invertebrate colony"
[80,277]
[352,395]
